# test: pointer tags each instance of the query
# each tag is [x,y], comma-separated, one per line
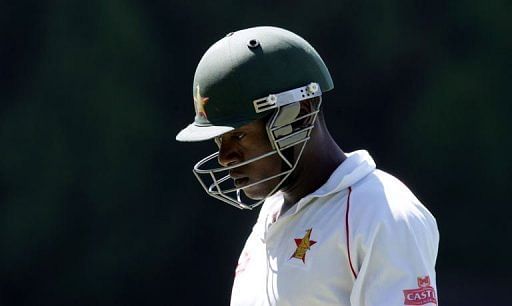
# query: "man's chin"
[257,193]
[254,195]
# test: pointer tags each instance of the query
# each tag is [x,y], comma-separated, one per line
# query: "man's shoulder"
[385,197]
[381,184]
[384,207]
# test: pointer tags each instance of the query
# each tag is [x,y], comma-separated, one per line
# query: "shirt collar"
[357,165]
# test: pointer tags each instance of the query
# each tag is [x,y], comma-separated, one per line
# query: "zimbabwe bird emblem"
[199,103]
[303,245]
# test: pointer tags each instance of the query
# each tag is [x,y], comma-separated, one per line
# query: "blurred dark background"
[98,204]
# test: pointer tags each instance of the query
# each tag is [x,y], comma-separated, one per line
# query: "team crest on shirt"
[303,245]
[424,294]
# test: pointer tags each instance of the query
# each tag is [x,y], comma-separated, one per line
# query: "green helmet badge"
[199,103]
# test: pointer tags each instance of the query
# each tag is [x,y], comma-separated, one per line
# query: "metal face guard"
[216,180]
[218,184]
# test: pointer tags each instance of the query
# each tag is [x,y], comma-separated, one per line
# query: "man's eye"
[234,137]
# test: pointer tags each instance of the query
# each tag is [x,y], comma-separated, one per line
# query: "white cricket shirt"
[362,239]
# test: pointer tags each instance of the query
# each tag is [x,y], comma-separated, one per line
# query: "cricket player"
[332,228]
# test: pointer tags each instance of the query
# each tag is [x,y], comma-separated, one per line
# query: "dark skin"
[320,158]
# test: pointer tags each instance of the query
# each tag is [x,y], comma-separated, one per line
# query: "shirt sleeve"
[394,249]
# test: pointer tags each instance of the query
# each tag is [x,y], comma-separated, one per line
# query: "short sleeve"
[394,249]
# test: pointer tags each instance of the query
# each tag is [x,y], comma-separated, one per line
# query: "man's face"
[245,143]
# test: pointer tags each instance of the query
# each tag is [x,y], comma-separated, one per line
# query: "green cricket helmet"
[247,75]
[245,66]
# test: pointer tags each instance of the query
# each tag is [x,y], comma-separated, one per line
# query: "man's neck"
[314,169]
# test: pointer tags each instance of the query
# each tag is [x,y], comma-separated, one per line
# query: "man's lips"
[239,179]
[241,182]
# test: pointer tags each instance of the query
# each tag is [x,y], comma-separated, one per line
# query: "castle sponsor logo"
[424,294]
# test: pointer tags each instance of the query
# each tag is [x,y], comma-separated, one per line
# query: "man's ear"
[307,107]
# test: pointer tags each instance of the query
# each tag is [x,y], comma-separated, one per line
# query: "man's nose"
[228,154]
